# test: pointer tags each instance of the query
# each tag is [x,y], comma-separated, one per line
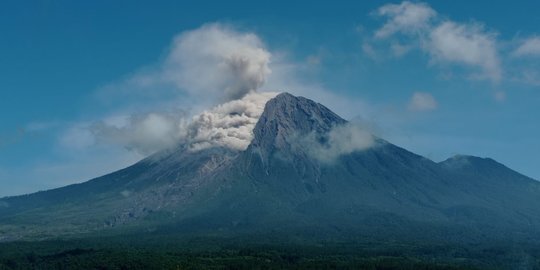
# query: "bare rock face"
[287,117]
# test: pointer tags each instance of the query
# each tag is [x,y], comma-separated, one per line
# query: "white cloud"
[340,140]
[217,60]
[77,137]
[446,41]
[530,76]
[143,133]
[368,50]
[421,101]
[406,17]
[399,49]
[529,47]
[467,44]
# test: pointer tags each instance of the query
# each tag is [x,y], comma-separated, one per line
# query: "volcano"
[298,176]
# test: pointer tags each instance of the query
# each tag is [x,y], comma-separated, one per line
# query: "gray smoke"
[230,124]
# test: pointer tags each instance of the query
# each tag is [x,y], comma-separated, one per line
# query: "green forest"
[207,253]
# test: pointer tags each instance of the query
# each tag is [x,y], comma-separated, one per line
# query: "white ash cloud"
[216,60]
[227,125]
[340,140]
[230,124]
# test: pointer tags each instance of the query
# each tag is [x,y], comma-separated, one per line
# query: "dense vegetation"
[167,252]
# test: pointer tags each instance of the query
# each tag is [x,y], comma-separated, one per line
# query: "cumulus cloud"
[446,41]
[406,17]
[421,101]
[467,44]
[528,47]
[340,140]
[217,60]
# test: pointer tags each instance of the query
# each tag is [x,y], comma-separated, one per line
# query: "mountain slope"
[282,183]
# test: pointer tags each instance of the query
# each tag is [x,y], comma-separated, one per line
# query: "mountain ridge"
[277,182]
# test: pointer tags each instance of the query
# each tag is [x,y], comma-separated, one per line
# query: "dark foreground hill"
[296,181]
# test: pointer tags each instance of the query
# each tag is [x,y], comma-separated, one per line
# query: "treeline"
[155,252]
[244,259]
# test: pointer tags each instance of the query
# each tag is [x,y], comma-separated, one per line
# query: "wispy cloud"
[143,133]
[466,44]
[524,60]
[528,47]
[421,101]
[406,17]
[340,140]
[444,40]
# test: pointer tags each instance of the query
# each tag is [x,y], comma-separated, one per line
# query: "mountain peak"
[284,96]
[467,161]
[286,117]
[479,165]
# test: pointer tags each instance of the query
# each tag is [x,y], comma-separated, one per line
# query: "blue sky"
[439,78]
